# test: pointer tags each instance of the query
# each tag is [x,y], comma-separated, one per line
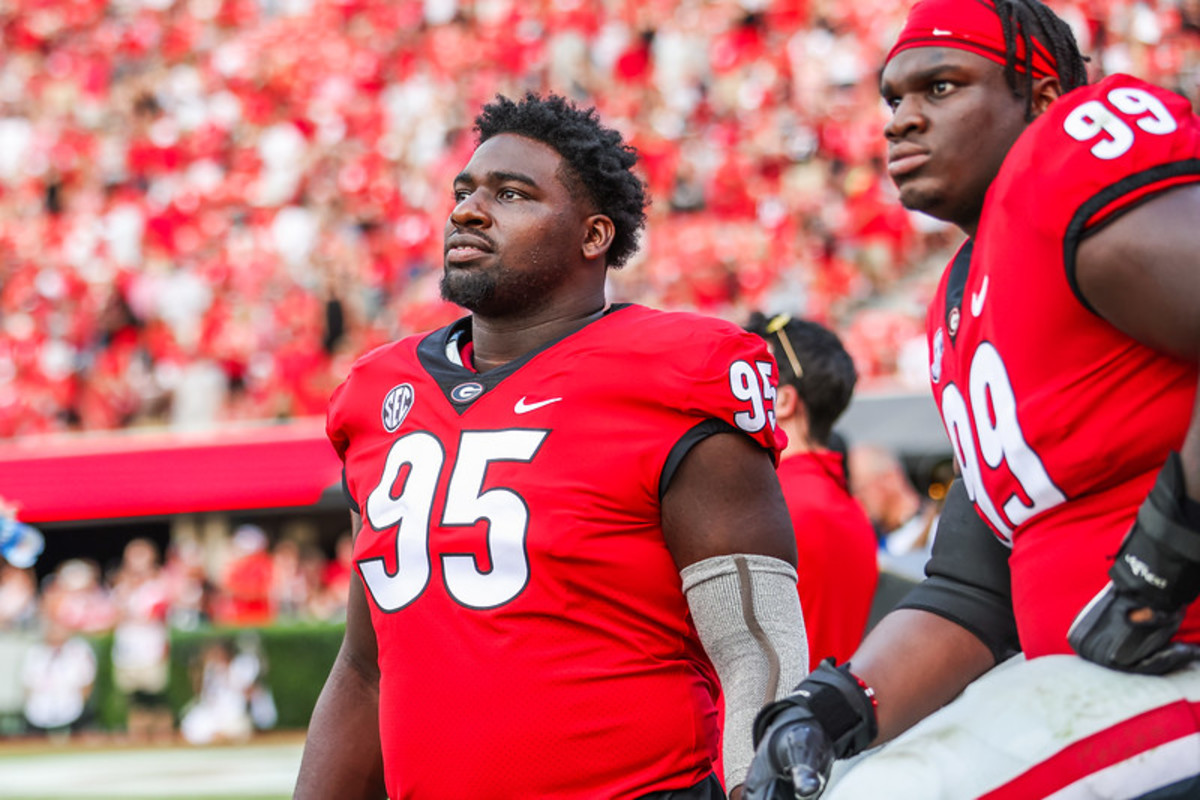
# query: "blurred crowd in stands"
[257,583]
[209,208]
[49,630]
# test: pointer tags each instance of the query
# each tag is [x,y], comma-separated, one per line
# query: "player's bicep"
[724,498]
[1140,271]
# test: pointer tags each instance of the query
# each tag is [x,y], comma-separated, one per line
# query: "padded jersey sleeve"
[736,383]
[727,382]
[337,425]
[345,404]
[335,418]
[335,431]
[1095,153]
[353,407]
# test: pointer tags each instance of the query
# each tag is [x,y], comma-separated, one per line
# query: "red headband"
[971,25]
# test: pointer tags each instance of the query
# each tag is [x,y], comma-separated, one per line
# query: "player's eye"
[509,194]
[460,195]
[940,88]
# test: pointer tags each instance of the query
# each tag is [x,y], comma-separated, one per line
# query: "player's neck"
[969,223]
[499,341]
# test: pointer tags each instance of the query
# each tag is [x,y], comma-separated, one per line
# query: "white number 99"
[1136,101]
[1093,118]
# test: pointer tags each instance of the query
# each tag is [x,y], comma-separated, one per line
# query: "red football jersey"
[836,554]
[1059,421]
[534,640]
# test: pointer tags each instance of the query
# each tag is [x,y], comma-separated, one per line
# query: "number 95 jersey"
[534,640]
[1059,421]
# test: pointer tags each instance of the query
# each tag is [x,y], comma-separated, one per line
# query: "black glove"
[1155,577]
[831,714]
[793,762]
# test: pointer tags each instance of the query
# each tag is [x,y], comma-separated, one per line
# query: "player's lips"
[465,247]
[906,158]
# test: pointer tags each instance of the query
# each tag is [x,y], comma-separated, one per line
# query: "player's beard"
[500,291]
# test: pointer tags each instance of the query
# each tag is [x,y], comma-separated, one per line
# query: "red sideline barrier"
[136,474]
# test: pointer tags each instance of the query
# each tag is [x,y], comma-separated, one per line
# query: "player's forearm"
[916,662]
[747,615]
[342,756]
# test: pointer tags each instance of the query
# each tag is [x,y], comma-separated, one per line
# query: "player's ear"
[1045,92]
[599,231]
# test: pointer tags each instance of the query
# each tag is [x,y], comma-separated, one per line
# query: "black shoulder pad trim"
[988,617]
[694,436]
[968,579]
[1075,232]
[346,493]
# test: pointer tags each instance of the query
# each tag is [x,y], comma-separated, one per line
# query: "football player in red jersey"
[570,537]
[1064,343]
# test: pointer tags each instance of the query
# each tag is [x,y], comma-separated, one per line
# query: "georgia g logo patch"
[396,406]
[466,392]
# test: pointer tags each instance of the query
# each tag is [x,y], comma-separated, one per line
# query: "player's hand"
[1128,625]
[831,714]
[1117,629]
[792,761]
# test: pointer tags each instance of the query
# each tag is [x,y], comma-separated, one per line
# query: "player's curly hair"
[598,159]
[1024,20]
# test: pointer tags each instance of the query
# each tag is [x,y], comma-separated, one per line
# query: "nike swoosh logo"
[524,408]
[978,297]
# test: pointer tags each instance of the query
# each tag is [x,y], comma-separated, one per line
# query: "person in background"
[141,641]
[219,711]
[76,597]
[1064,346]
[289,589]
[835,543]
[192,591]
[249,669]
[18,598]
[58,673]
[245,586]
[569,532]
[336,576]
[905,522]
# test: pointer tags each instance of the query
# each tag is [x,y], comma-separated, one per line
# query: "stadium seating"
[208,208]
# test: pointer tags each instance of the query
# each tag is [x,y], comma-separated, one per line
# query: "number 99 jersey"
[534,640]
[1059,421]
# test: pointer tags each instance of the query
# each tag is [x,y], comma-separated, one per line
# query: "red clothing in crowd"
[247,590]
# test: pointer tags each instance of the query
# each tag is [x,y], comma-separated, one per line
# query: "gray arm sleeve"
[747,613]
